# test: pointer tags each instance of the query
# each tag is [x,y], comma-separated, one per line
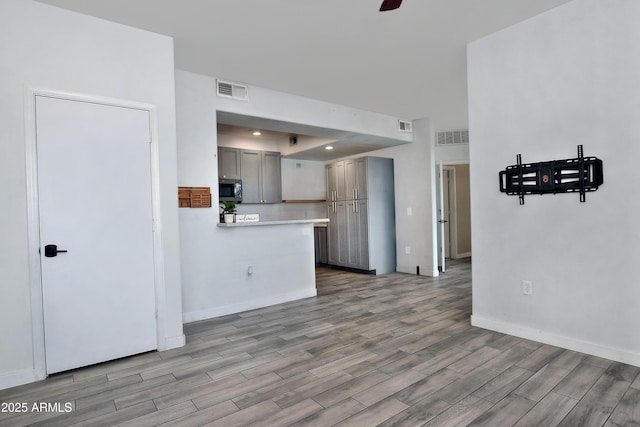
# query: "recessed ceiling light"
[257,133]
[328,147]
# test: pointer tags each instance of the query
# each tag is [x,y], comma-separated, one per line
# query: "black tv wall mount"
[581,174]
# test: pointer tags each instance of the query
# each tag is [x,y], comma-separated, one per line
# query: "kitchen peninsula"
[264,263]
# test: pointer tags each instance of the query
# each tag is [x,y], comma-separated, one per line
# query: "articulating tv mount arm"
[581,174]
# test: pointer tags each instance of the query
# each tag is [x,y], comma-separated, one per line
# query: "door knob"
[51,251]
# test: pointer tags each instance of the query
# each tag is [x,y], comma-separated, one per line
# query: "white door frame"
[33,212]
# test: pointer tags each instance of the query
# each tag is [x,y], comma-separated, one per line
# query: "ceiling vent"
[453,137]
[232,90]
[404,126]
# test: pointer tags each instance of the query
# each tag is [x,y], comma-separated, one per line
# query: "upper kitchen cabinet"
[347,179]
[355,173]
[260,172]
[336,188]
[228,163]
[271,177]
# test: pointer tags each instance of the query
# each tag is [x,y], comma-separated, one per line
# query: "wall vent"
[232,90]
[404,126]
[453,137]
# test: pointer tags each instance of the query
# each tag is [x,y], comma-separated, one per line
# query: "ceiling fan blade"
[390,5]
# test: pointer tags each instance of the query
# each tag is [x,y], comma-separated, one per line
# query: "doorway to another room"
[454,213]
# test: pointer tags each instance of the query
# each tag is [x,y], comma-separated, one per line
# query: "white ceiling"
[409,63]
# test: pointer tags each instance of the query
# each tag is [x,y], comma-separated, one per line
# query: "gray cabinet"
[361,209]
[337,247]
[358,234]
[336,187]
[355,172]
[271,175]
[260,172]
[320,241]
[250,175]
[347,179]
[228,162]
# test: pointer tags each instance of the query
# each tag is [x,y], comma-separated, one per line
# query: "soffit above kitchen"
[311,141]
[409,63]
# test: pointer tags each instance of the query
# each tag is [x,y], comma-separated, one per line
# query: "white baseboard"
[16,378]
[570,343]
[173,342]
[463,255]
[194,316]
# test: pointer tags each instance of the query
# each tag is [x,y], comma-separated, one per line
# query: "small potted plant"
[229,211]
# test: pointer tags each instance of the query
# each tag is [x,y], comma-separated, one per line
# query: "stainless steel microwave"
[230,190]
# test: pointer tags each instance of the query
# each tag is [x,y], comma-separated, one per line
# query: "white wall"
[48,48]
[303,180]
[452,153]
[567,77]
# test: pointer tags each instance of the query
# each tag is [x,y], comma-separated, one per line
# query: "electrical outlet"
[407,250]
[527,287]
[409,212]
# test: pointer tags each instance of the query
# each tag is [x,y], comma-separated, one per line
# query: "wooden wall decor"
[194,197]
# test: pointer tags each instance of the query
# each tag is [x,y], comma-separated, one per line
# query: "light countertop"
[280,222]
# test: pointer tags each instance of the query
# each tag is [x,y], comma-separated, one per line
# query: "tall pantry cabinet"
[360,205]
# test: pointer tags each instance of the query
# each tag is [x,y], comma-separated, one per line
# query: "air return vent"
[404,126]
[453,137]
[232,90]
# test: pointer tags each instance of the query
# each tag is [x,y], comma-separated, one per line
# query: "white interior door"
[94,190]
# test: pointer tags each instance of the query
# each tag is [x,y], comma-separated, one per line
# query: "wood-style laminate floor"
[369,350]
